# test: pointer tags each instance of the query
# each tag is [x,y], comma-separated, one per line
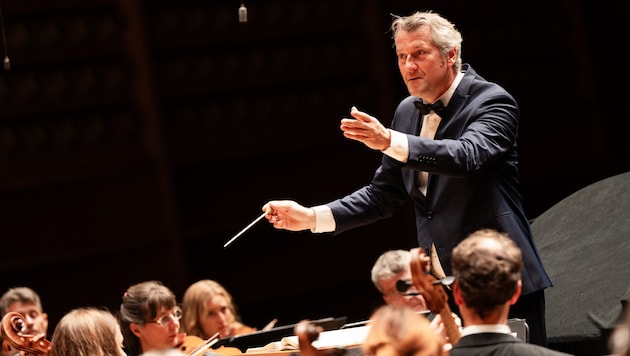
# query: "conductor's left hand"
[366,129]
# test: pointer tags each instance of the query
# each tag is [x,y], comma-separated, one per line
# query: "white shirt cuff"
[324,219]
[398,146]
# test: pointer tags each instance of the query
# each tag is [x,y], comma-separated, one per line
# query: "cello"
[432,290]
[14,338]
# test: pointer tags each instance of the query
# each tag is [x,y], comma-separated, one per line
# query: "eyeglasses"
[174,315]
[401,289]
[403,285]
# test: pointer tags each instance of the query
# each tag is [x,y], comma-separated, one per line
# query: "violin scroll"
[423,280]
[433,292]
[13,336]
[307,332]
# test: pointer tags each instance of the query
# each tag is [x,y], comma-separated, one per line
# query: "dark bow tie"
[426,108]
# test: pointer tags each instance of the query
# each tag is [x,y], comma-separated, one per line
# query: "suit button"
[429,215]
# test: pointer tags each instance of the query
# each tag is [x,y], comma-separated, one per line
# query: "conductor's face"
[427,74]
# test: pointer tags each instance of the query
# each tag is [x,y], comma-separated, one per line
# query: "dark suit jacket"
[473,180]
[498,344]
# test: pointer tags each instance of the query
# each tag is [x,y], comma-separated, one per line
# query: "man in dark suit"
[457,161]
[487,268]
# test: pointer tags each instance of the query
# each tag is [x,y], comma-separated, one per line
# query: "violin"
[433,292]
[194,346]
[14,338]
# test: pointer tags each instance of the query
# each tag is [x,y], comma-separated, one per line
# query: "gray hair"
[389,264]
[444,34]
[19,294]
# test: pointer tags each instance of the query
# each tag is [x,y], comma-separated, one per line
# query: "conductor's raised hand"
[366,129]
[289,215]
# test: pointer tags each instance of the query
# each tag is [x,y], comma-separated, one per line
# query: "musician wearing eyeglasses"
[392,278]
[149,316]
[391,275]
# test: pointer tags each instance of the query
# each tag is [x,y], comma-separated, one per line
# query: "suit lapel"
[457,102]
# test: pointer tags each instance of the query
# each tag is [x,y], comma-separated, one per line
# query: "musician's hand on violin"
[440,328]
[36,339]
[289,215]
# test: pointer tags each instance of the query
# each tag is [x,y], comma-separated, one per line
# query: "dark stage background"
[136,137]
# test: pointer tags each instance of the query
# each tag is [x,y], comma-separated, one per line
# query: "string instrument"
[307,332]
[195,346]
[433,292]
[14,338]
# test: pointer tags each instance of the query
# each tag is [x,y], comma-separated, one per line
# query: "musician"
[391,275]
[87,331]
[27,302]
[393,266]
[487,269]
[400,331]
[208,308]
[149,316]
